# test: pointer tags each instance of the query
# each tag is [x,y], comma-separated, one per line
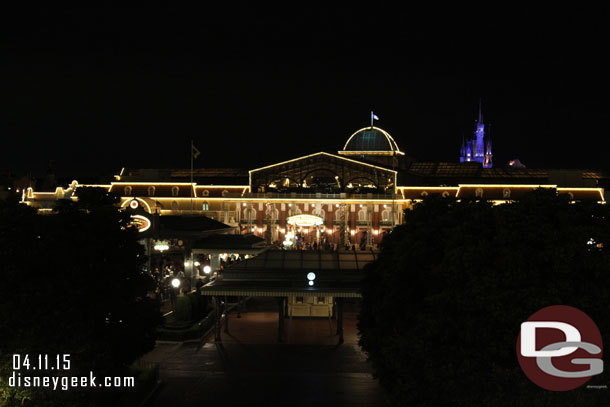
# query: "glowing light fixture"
[133,204]
[311,277]
[142,222]
[175,283]
[161,245]
[305,220]
[207,269]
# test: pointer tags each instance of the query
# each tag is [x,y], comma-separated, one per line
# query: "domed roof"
[371,140]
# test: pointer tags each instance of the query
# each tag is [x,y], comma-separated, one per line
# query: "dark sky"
[95,90]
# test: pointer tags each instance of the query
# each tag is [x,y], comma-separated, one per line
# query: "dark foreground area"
[250,366]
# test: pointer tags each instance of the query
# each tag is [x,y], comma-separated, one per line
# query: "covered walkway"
[332,277]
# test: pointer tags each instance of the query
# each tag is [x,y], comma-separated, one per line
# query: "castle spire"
[479,147]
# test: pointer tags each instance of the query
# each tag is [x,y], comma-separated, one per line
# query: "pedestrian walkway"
[250,366]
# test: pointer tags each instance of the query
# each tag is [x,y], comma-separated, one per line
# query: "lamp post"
[175,286]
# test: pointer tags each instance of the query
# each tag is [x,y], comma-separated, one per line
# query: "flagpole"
[192,176]
[371,119]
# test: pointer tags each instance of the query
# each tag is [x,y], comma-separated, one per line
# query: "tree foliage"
[72,283]
[442,306]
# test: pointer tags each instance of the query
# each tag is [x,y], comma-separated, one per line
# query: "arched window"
[225,193]
[275,214]
[319,212]
[294,211]
[338,214]
[127,190]
[174,205]
[386,215]
[250,214]
[175,191]
[362,215]
[206,192]
[151,191]
[205,206]
[478,193]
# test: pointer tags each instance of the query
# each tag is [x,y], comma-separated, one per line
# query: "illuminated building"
[352,197]
[479,148]
[319,200]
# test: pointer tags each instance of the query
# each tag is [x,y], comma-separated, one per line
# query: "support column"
[217,319]
[340,319]
[280,325]
[226,309]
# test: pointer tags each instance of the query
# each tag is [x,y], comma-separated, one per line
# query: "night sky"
[95,90]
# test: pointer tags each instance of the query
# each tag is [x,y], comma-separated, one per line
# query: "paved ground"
[250,366]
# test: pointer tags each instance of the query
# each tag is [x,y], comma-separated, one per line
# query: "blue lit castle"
[477,149]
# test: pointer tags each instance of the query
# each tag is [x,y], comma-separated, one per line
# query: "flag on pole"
[195,152]
[373,116]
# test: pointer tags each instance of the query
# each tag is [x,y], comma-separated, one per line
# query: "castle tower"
[478,149]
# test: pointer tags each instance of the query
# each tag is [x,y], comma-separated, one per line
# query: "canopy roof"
[282,273]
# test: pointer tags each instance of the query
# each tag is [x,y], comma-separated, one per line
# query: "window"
[338,214]
[151,191]
[175,191]
[225,193]
[174,205]
[275,214]
[362,215]
[127,190]
[206,192]
[319,212]
[205,206]
[299,300]
[250,214]
[386,215]
[321,300]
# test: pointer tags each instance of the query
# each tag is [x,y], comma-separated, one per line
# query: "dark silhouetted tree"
[442,306]
[72,283]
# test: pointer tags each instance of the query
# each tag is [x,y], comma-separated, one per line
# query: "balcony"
[298,195]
